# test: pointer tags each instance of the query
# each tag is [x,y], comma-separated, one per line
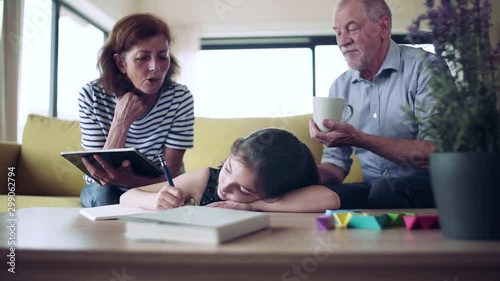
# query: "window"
[330,64]
[253,82]
[34,92]
[79,43]
[1,18]
[256,79]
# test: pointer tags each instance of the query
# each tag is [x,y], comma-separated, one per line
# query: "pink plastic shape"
[421,221]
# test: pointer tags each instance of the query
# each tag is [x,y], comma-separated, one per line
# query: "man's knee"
[385,194]
[352,196]
[378,192]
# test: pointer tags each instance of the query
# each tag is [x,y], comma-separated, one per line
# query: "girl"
[270,170]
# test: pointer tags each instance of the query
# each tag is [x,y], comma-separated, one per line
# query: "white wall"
[220,18]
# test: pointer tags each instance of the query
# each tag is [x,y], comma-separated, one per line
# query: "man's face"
[359,39]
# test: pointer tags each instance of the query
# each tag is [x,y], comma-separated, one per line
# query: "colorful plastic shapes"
[324,222]
[357,219]
[367,222]
[341,220]
[421,222]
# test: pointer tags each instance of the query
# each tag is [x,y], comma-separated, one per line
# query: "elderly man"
[383,77]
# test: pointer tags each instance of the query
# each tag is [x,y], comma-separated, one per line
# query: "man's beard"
[359,63]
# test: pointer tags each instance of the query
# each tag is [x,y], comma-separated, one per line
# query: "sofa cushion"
[41,169]
[9,159]
[213,138]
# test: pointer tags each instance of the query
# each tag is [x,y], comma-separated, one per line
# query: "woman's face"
[146,63]
[236,182]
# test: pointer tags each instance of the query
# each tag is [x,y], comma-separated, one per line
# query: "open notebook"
[110,212]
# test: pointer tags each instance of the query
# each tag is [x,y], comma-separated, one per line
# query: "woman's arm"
[173,158]
[316,198]
[128,109]
[162,196]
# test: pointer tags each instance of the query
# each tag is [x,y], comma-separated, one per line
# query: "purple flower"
[460,35]
[429,3]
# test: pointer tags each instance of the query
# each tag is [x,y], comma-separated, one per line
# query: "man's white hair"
[374,9]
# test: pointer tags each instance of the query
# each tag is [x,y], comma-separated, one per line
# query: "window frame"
[282,42]
[54,48]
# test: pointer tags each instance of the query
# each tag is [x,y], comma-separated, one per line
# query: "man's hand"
[410,153]
[342,133]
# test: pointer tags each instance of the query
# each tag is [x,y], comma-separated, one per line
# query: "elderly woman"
[134,103]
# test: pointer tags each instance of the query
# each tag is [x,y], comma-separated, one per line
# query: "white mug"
[329,108]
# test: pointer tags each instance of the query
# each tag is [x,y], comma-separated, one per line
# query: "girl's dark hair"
[126,33]
[281,162]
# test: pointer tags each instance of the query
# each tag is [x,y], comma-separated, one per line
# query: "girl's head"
[137,55]
[266,164]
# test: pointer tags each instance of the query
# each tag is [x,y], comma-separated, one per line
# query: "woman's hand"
[121,176]
[132,106]
[232,205]
[169,197]
[129,108]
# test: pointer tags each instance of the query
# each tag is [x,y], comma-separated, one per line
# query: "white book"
[195,224]
[110,212]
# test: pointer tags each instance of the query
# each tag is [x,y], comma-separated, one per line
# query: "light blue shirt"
[401,82]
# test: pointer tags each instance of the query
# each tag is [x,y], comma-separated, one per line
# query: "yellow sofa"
[44,178]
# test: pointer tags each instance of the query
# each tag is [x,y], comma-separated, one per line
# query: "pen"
[188,201]
[165,170]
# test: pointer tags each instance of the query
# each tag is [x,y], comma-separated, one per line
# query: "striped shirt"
[170,122]
[401,82]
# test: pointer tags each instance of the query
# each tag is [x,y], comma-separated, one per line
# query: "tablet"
[141,165]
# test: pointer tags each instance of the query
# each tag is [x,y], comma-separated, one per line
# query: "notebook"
[195,224]
[110,212]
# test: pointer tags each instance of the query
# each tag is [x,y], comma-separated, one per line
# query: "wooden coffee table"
[60,244]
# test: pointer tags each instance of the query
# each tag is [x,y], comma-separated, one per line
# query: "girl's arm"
[188,185]
[142,197]
[316,198]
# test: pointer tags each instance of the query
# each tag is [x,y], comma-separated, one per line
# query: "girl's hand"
[232,205]
[169,197]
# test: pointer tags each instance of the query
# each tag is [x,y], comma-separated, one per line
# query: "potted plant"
[465,122]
